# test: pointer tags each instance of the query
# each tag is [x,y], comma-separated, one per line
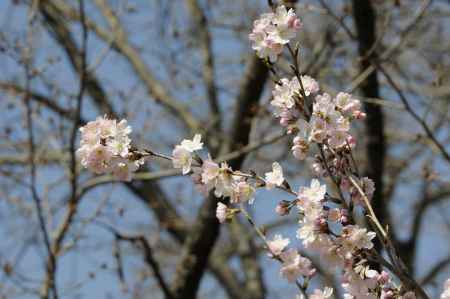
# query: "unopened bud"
[282,208]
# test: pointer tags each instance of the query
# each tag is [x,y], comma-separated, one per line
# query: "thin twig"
[51,261]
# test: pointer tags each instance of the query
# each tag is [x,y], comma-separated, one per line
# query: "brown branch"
[435,271]
[56,25]
[50,280]
[365,22]
[154,87]
[148,255]
[15,89]
[390,52]
[413,114]
[204,37]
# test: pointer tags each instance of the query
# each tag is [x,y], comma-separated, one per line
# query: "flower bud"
[282,208]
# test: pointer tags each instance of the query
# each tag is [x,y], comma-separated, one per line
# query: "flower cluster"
[287,95]
[293,264]
[326,224]
[272,31]
[105,147]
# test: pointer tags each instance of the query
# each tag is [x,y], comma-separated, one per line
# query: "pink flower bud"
[282,208]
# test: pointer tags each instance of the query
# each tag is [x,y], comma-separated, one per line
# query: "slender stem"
[301,287]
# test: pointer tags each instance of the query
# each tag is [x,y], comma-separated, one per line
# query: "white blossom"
[295,265]
[277,245]
[182,159]
[275,177]
[192,145]
[314,193]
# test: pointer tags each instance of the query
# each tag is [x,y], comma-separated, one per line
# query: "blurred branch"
[50,280]
[118,41]
[204,37]
[15,89]
[148,254]
[414,115]
[72,206]
[55,22]
[429,277]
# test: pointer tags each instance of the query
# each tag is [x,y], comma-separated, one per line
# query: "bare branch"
[201,27]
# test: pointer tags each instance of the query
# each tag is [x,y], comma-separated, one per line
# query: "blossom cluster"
[221,178]
[326,225]
[319,122]
[293,264]
[329,232]
[105,147]
[329,121]
[274,30]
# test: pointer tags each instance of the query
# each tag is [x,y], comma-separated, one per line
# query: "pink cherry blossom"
[295,265]
[275,177]
[210,171]
[272,31]
[182,159]
[314,193]
[277,245]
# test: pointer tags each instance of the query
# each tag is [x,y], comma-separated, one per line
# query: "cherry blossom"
[182,158]
[210,172]
[242,191]
[272,31]
[295,265]
[183,153]
[320,126]
[355,237]
[314,193]
[277,245]
[193,145]
[105,147]
[275,177]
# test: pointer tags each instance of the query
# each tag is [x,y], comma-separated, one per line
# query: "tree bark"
[365,22]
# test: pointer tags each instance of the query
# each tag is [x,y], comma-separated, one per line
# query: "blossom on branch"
[275,177]
[272,31]
[295,265]
[105,147]
[182,155]
[277,245]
